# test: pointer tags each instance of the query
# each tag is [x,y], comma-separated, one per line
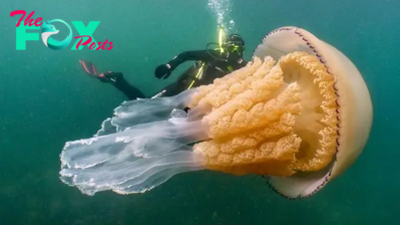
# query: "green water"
[46,100]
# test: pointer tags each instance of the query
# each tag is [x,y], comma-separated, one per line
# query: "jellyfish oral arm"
[139,154]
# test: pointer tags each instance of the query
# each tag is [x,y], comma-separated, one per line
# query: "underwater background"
[46,100]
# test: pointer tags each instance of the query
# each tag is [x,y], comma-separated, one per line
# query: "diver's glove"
[163,71]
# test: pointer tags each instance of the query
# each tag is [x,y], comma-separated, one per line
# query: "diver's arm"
[164,70]
[198,55]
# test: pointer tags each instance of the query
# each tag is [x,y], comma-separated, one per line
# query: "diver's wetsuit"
[216,65]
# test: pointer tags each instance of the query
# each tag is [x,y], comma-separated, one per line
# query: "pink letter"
[92,45]
[100,46]
[80,41]
[111,45]
[28,19]
[37,22]
[17,12]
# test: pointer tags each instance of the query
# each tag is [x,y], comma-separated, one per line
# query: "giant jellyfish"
[299,113]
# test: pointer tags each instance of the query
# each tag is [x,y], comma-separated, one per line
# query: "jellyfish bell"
[353,103]
[299,113]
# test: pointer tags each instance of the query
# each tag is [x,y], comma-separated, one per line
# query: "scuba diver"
[210,64]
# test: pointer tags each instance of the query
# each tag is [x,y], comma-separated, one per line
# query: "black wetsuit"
[216,65]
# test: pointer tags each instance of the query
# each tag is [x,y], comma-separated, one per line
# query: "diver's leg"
[123,85]
[166,91]
[115,78]
[170,90]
